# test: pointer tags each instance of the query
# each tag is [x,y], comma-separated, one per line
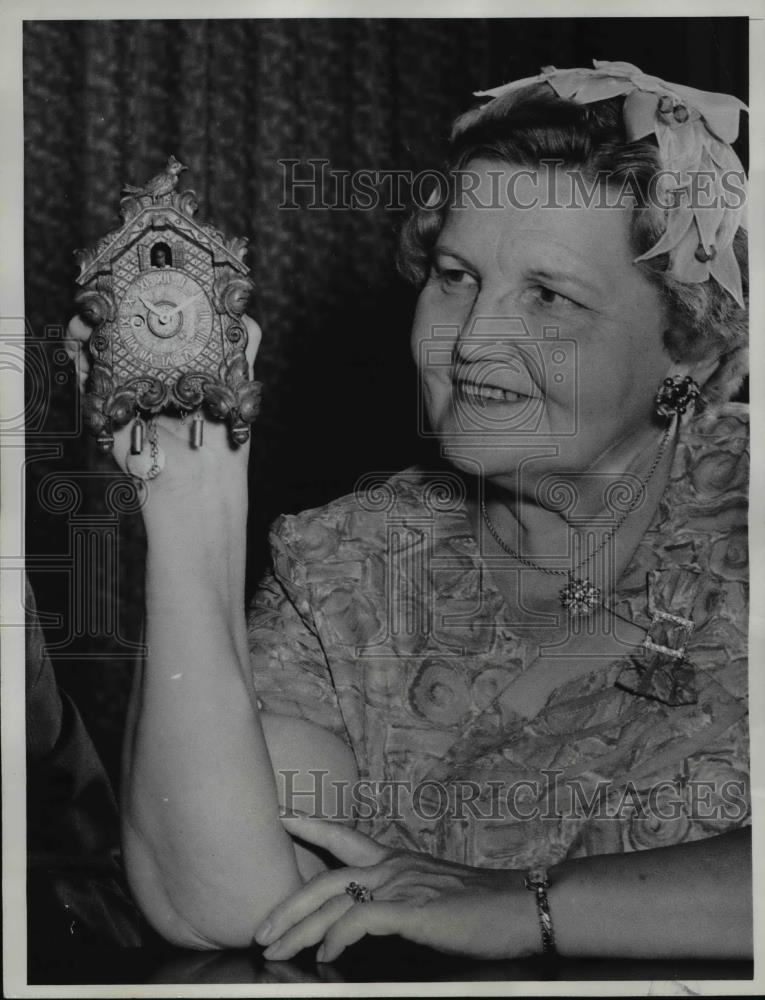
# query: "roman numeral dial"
[165,318]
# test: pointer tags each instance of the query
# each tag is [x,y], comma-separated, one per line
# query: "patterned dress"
[381,623]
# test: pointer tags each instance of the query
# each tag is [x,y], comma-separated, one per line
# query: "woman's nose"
[491,337]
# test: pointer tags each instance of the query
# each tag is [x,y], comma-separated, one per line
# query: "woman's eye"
[549,297]
[454,278]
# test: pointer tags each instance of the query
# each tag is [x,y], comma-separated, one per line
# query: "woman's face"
[538,340]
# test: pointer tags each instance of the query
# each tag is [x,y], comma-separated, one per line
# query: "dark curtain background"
[106,102]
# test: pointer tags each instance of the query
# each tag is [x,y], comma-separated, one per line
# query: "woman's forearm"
[689,901]
[205,851]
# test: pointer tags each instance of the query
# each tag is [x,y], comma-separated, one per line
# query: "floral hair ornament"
[694,130]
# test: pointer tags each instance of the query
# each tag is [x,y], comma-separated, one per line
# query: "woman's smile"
[484,393]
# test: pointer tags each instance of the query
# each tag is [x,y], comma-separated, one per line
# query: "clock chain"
[146,466]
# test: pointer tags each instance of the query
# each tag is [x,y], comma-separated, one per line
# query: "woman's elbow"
[186,912]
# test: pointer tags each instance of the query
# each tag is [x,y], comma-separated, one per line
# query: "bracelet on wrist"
[538,882]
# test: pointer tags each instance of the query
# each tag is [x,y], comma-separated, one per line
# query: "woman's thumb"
[77,336]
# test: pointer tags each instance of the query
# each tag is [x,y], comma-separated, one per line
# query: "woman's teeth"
[472,390]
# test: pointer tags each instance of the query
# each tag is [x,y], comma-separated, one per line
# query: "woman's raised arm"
[205,852]
[203,845]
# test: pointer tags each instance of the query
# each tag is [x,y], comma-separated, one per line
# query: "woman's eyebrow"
[558,274]
[545,273]
[444,251]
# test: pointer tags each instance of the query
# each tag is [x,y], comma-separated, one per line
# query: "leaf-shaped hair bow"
[693,129]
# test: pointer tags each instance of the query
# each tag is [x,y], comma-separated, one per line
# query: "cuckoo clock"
[165,295]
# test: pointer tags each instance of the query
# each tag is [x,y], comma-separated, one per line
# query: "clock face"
[165,318]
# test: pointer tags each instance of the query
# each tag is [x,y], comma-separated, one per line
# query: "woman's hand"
[453,908]
[185,469]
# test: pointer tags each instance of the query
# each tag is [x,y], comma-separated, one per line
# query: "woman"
[524,670]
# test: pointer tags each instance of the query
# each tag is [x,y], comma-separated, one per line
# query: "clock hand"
[152,308]
[182,305]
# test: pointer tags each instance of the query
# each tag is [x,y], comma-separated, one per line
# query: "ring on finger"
[359,893]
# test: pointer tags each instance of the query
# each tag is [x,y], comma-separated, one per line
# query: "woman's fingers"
[374,918]
[78,330]
[326,886]
[348,845]
[309,931]
[363,853]
[254,337]
[77,335]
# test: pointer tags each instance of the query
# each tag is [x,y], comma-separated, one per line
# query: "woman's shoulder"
[359,522]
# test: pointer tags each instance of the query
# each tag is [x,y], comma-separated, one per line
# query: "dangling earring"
[675,394]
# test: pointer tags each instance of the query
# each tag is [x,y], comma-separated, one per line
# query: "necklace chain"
[609,537]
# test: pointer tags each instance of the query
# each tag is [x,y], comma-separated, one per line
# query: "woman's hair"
[532,126]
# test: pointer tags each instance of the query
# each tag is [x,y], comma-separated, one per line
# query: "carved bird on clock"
[162,183]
